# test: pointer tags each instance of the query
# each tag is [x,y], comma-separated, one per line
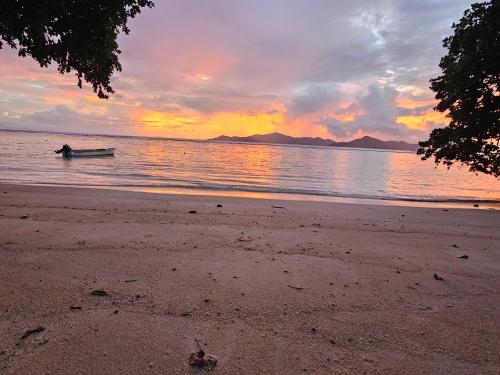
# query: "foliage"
[78,35]
[468,92]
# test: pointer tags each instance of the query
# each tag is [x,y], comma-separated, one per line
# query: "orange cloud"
[346,117]
[206,126]
[424,121]
[411,103]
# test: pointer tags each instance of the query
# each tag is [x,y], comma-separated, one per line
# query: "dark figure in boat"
[66,150]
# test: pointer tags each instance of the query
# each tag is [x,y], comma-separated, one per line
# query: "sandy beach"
[269,287]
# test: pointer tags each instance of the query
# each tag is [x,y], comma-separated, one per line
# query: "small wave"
[274,190]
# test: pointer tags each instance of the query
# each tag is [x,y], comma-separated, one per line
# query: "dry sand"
[323,288]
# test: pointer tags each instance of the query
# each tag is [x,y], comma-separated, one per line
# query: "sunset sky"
[199,69]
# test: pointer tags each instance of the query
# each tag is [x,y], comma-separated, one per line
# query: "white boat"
[93,152]
[68,152]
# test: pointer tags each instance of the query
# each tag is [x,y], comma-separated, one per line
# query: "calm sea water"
[238,169]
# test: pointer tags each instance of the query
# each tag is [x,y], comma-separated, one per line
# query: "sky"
[199,68]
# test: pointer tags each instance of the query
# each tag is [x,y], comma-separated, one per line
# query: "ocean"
[248,170]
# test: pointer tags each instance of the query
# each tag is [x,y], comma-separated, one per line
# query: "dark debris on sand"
[201,360]
[30,332]
[99,292]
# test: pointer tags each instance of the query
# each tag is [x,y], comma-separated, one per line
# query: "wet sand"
[323,288]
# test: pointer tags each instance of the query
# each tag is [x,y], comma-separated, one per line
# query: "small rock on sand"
[30,332]
[99,292]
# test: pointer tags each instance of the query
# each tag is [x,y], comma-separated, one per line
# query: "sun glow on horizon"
[195,125]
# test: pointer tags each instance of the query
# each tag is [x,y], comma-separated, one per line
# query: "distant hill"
[278,138]
[370,142]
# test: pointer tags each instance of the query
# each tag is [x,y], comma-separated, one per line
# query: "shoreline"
[482,204]
[394,178]
[268,286]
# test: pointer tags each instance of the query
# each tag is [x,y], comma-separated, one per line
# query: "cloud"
[63,119]
[380,117]
[343,66]
[313,97]
[417,111]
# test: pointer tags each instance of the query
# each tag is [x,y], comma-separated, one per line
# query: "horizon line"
[185,139]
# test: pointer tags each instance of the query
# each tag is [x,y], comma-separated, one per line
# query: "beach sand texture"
[322,288]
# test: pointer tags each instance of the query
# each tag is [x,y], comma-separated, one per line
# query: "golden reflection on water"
[411,176]
[240,169]
[262,170]
[256,163]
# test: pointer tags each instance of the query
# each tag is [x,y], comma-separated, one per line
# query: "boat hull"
[90,153]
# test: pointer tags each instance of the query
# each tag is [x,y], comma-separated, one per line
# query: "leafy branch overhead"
[78,35]
[468,92]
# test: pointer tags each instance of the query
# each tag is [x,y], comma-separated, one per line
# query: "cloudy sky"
[200,68]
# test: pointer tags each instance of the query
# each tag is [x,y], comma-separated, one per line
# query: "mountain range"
[278,138]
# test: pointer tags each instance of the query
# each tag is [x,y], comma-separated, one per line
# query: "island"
[283,139]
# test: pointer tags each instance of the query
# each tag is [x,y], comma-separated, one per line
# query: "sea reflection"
[366,169]
[238,169]
[411,178]
[243,165]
